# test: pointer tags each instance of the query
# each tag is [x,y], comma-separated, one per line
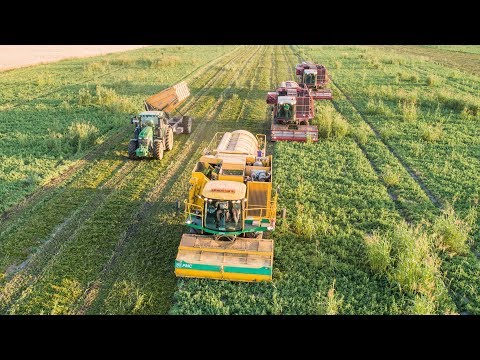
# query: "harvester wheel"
[187,124]
[158,149]
[132,146]
[169,139]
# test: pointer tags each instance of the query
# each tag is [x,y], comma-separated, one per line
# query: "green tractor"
[154,133]
[154,128]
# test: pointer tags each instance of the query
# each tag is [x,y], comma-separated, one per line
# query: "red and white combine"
[315,77]
[292,110]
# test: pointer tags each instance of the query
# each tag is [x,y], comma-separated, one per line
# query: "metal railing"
[193,210]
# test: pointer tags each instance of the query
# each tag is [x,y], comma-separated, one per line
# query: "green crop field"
[382,212]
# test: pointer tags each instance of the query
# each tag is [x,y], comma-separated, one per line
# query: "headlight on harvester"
[269,228]
[188,221]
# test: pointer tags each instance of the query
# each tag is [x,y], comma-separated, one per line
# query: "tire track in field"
[62,235]
[131,165]
[409,170]
[144,213]
[116,137]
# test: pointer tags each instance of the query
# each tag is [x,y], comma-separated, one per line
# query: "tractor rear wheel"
[169,139]
[132,146]
[187,124]
[158,149]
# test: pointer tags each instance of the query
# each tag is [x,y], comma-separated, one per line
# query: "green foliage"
[80,135]
[126,298]
[453,232]
[390,177]
[96,67]
[378,107]
[433,80]
[423,305]
[331,124]
[378,252]
[333,302]
[432,133]
[409,110]
[362,133]
[417,267]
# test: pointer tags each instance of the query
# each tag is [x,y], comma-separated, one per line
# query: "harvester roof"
[224,190]
[287,100]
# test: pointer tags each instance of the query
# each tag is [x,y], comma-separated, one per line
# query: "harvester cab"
[286,109]
[229,207]
[154,128]
[310,77]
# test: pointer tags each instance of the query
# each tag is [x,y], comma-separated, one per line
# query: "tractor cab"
[310,77]
[286,106]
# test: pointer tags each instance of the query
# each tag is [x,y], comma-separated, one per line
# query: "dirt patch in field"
[15,56]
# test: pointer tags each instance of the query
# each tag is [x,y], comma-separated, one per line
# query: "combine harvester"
[154,128]
[292,110]
[315,77]
[230,204]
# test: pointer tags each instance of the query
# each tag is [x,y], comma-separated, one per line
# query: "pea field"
[382,211]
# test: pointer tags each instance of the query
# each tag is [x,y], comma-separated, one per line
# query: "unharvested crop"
[80,135]
[390,177]
[432,133]
[454,233]
[331,124]
[408,110]
[379,251]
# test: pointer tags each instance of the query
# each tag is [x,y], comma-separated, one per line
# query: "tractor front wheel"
[158,149]
[132,146]
[169,139]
